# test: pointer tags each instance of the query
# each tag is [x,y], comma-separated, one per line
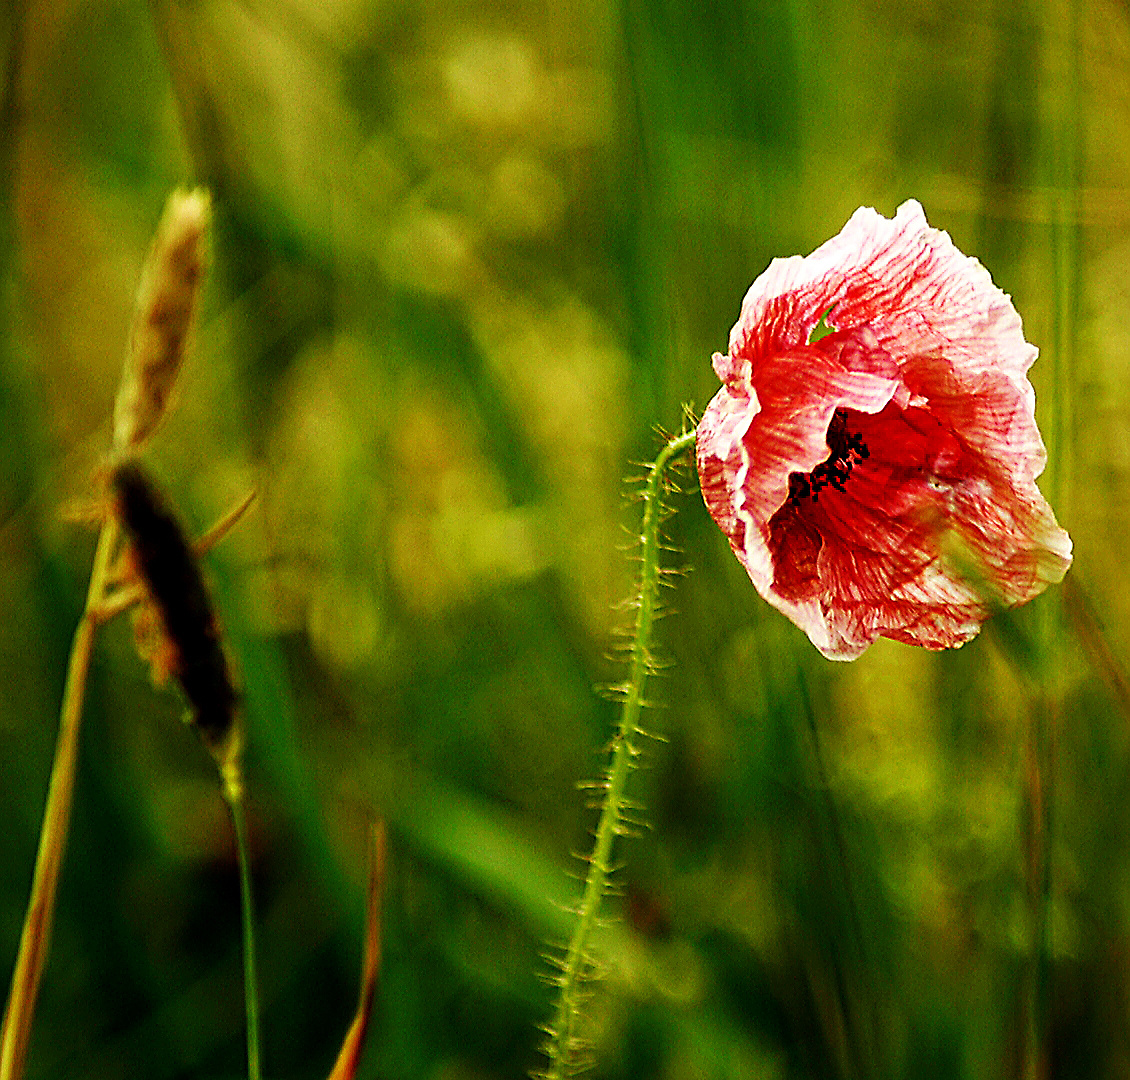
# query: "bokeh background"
[468,255]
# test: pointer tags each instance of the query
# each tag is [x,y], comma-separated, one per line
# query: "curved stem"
[233,796]
[562,1045]
[36,934]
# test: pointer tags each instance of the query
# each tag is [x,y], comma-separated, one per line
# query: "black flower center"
[846,450]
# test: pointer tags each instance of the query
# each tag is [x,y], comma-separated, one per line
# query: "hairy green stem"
[233,796]
[562,1046]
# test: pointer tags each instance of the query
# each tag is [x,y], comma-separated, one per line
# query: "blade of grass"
[1062,29]
[233,796]
[345,1068]
[36,934]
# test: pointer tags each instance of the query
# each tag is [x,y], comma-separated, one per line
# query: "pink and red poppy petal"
[748,447]
[845,472]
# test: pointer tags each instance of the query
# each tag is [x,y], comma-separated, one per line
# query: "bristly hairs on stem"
[567,1052]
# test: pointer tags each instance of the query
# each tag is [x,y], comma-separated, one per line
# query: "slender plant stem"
[1062,163]
[233,796]
[562,1045]
[1039,759]
[35,938]
[857,1036]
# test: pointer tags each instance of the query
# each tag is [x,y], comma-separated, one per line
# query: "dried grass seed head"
[164,313]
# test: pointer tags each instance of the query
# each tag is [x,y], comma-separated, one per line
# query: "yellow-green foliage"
[465,257]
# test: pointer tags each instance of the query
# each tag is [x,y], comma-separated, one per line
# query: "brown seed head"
[163,316]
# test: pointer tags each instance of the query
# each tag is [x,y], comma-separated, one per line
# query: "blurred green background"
[467,256]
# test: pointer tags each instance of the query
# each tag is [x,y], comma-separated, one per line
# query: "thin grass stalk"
[561,1048]
[858,1050]
[1038,754]
[36,934]
[1062,30]
[164,312]
[233,796]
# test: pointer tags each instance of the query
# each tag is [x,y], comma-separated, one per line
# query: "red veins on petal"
[881,481]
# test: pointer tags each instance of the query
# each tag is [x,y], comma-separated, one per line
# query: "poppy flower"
[873,452]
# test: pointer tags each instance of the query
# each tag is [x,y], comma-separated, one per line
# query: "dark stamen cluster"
[847,450]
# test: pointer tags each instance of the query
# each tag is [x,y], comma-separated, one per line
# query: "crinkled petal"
[746,455]
[900,278]
[926,374]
